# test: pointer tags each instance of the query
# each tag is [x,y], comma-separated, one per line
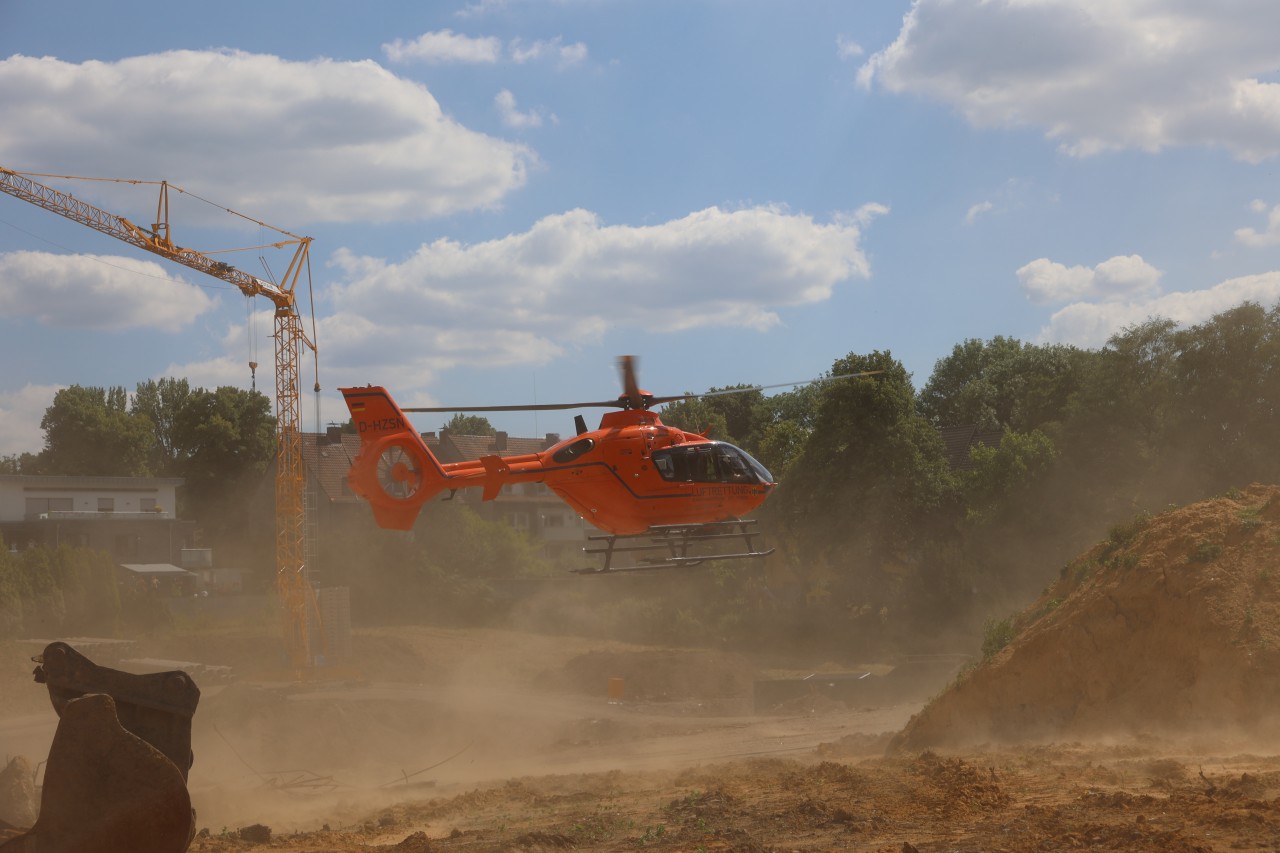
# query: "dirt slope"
[1170,626]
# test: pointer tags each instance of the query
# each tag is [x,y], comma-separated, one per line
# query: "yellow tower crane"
[290,340]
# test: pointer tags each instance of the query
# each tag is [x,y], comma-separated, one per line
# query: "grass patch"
[1250,519]
[1205,552]
[996,634]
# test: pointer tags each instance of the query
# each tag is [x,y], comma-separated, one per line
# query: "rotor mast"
[291,342]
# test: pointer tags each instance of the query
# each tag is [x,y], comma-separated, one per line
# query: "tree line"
[881,542]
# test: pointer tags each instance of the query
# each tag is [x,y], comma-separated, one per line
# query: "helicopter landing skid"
[673,546]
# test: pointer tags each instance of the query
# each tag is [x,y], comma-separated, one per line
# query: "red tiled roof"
[457,448]
[327,463]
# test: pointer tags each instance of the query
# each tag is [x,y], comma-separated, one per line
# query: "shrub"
[996,634]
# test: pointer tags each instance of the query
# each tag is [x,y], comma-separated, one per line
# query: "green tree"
[14,588]
[1117,423]
[1226,397]
[44,609]
[1003,384]
[860,496]
[779,446]
[20,463]
[161,402]
[740,405]
[224,443]
[1004,479]
[781,424]
[90,431]
[696,415]
[464,424]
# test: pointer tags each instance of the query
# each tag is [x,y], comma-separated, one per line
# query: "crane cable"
[252,332]
[315,340]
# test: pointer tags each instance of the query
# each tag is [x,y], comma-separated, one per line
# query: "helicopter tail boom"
[394,470]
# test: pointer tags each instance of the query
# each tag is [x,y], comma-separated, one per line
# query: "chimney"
[334,434]
[500,440]
[552,439]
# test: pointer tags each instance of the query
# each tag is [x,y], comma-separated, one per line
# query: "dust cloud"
[1132,709]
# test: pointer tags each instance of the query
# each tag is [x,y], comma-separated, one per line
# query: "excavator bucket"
[112,784]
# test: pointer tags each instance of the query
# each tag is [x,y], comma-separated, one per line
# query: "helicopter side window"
[665,465]
[571,452]
[702,465]
[706,463]
[730,465]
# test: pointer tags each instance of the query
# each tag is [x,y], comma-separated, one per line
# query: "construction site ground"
[497,740]
[1132,709]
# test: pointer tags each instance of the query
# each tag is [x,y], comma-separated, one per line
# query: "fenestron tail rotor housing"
[399,473]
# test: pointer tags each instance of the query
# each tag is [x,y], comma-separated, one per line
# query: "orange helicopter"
[655,487]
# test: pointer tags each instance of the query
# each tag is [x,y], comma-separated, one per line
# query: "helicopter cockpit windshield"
[709,462]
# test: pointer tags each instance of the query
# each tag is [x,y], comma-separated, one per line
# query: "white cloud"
[480,8]
[1097,74]
[256,133]
[1087,324]
[565,55]
[1116,279]
[977,210]
[505,102]
[445,48]
[1268,237]
[569,278]
[103,292]
[847,48]
[20,414]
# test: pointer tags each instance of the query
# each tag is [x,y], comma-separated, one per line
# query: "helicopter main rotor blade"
[533,407]
[678,397]
[632,397]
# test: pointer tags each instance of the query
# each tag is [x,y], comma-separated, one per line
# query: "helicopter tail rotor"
[394,470]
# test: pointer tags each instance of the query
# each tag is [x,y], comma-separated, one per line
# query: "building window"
[106,504]
[36,506]
[520,520]
[146,504]
[553,521]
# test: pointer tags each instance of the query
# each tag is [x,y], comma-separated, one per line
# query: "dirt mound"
[1172,625]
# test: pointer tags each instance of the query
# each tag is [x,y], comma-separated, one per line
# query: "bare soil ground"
[1134,711]
[520,748]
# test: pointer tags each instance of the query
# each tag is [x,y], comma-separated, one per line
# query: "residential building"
[131,518]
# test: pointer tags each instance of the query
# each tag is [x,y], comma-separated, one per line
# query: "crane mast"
[290,343]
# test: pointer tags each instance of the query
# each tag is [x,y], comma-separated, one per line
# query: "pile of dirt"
[1172,625]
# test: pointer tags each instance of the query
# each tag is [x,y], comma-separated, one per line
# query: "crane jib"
[292,584]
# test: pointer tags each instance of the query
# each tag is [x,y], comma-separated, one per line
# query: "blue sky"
[504,196]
